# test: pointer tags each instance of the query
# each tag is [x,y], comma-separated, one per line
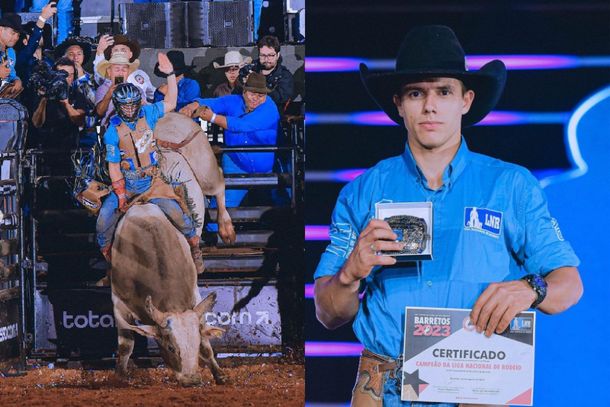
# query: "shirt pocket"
[480,258]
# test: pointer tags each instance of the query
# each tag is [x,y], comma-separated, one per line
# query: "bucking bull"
[154,280]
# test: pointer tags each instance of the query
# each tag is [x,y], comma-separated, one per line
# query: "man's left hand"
[499,304]
[165,65]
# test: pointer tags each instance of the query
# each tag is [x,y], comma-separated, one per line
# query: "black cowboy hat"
[434,51]
[61,49]
[120,39]
[11,20]
[177,60]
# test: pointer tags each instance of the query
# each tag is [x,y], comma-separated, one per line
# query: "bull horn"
[206,305]
[160,318]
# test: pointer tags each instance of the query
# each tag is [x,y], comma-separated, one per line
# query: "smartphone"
[118,79]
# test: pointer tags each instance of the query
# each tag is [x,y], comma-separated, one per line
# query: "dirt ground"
[262,383]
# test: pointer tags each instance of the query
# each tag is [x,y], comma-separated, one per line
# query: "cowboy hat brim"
[246,61]
[487,84]
[103,66]
[258,90]
[60,50]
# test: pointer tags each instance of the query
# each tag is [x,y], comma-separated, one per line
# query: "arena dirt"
[254,384]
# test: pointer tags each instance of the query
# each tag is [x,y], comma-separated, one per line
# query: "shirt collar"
[451,173]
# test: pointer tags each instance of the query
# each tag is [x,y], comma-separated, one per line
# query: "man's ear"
[398,103]
[468,99]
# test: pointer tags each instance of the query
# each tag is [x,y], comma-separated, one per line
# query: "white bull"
[154,281]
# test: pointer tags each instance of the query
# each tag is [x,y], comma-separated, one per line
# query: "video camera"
[49,83]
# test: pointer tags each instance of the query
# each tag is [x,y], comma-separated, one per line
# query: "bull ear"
[145,330]
[211,331]
[159,317]
[205,305]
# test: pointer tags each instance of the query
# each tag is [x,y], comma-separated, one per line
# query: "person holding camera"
[61,108]
[115,71]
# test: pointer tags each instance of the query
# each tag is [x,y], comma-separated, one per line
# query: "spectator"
[36,36]
[64,16]
[233,62]
[249,119]
[188,89]
[10,28]
[114,72]
[61,108]
[108,45]
[279,79]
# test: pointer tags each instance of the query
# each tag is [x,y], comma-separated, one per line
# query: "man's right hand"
[377,236]
[49,10]
[105,41]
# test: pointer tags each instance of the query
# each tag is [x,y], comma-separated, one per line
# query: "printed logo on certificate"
[447,361]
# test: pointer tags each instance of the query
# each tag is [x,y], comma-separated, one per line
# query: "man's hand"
[189,109]
[104,42]
[165,65]
[499,304]
[5,71]
[375,237]
[79,71]
[206,113]
[14,89]
[49,10]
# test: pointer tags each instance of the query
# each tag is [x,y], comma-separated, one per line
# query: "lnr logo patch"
[483,220]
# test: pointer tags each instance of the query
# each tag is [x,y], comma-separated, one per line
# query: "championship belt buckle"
[410,230]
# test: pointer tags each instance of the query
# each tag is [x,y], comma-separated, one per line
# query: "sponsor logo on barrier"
[8,332]
[243,318]
[90,320]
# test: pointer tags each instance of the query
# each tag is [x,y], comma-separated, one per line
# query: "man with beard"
[278,78]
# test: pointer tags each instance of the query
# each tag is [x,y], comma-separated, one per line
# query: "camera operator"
[61,109]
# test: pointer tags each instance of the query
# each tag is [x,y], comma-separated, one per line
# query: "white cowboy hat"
[233,58]
[118,58]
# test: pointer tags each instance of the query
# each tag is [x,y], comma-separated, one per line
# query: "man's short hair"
[64,61]
[269,41]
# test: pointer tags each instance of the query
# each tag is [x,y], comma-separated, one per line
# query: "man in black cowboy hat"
[10,28]
[249,119]
[496,248]
[188,89]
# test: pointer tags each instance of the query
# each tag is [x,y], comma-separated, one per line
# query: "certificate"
[446,360]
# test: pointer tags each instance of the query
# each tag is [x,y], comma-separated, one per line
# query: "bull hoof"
[121,372]
[221,378]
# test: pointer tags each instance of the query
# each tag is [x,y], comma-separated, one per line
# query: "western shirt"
[522,238]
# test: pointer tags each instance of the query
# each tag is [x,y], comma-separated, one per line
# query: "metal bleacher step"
[234,259]
[263,180]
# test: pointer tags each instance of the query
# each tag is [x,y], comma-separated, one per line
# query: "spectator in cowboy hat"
[233,62]
[10,28]
[108,45]
[188,89]
[249,119]
[114,72]
[78,50]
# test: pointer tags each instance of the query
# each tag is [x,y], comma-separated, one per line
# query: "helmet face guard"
[127,100]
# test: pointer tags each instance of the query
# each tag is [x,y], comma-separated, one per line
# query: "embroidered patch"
[483,220]
[110,150]
[342,239]
[555,225]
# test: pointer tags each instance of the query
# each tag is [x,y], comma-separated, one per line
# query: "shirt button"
[429,283]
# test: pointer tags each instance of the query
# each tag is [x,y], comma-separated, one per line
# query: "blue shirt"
[188,91]
[12,61]
[152,113]
[259,127]
[467,257]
